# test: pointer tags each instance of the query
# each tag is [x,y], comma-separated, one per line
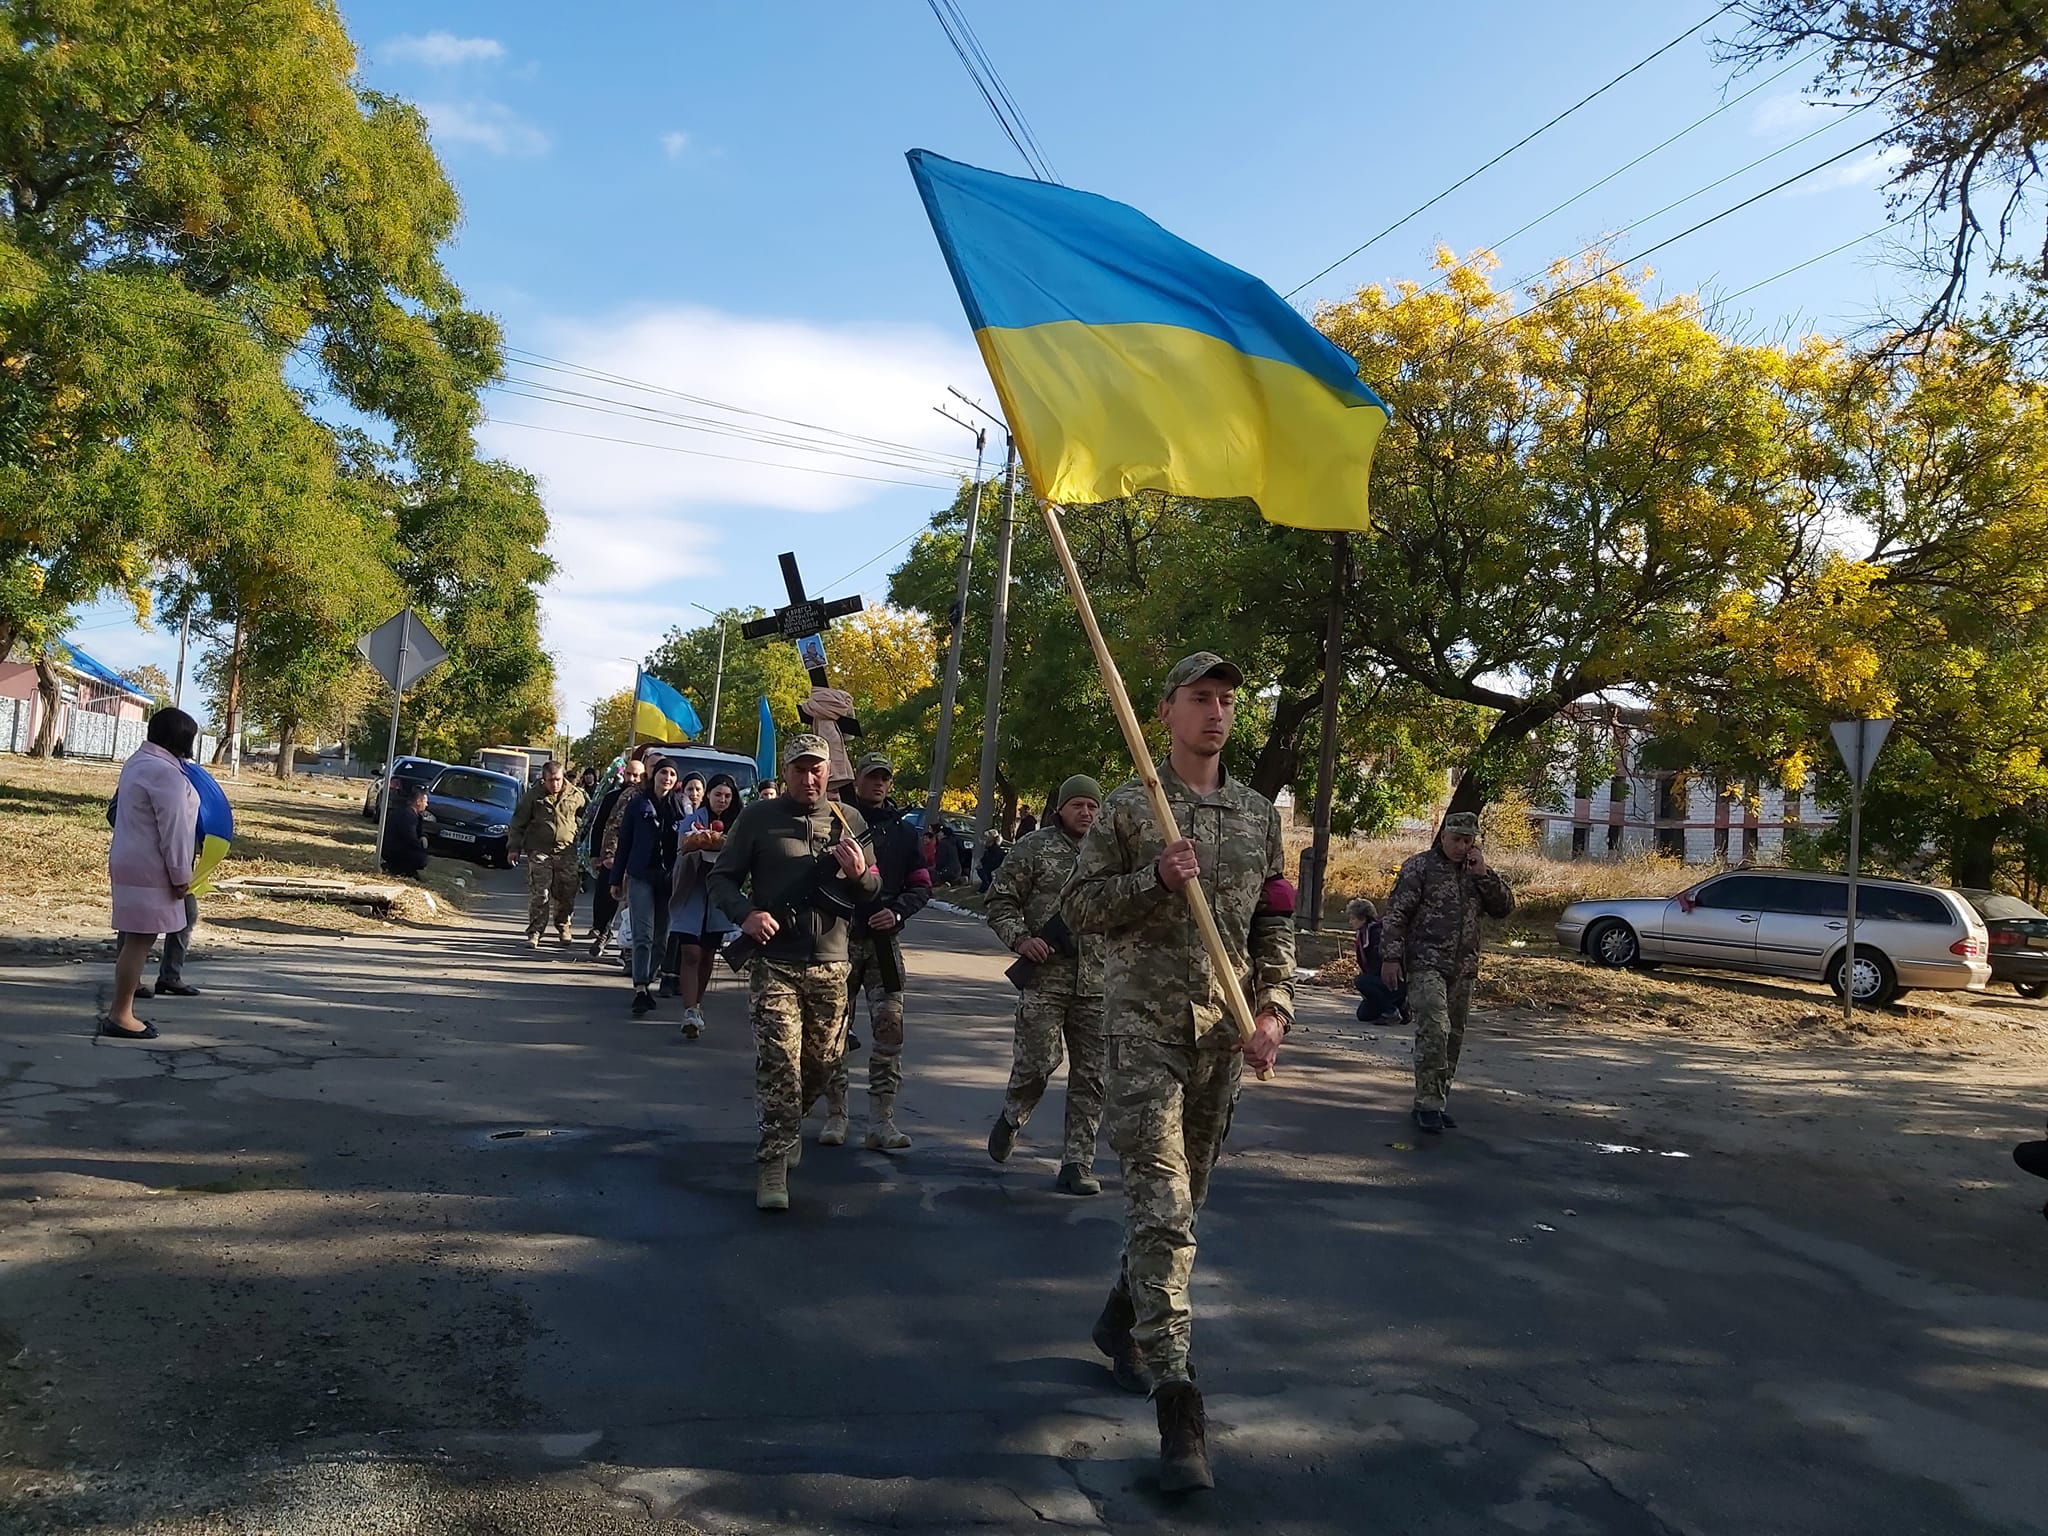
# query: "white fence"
[85,734]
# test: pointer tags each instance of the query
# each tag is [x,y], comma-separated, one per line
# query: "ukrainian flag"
[1129,360]
[216,829]
[661,714]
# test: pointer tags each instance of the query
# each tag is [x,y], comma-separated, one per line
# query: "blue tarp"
[99,671]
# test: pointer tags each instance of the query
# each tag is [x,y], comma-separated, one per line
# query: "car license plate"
[2037,943]
[460,837]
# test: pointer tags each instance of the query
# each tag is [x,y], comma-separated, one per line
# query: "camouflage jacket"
[1157,982]
[1431,922]
[1023,899]
[545,823]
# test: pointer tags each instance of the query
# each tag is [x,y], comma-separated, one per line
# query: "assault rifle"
[820,888]
[1023,972]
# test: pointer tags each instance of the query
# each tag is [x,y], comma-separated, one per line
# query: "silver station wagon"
[1793,923]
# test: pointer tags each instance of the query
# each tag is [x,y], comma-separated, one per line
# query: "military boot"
[771,1185]
[834,1133]
[795,1154]
[1076,1180]
[1183,1438]
[1002,1138]
[1112,1336]
[882,1133]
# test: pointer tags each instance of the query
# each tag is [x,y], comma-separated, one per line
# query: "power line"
[1526,139]
[704,453]
[876,560]
[1869,234]
[1001,105]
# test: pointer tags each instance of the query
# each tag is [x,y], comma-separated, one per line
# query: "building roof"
[100,672]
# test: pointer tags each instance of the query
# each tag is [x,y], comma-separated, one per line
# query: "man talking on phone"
[1430,940]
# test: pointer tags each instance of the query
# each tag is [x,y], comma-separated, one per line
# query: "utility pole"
[184,638]
[1317,893]
[942,751]
[998,627]
[717,677]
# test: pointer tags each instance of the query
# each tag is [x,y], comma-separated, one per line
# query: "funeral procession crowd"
[808,888]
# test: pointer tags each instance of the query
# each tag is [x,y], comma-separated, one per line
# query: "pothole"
[523,1133]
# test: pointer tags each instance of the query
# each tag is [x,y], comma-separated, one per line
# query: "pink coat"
[156,819]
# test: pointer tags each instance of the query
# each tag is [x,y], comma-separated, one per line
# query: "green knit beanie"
[1080,786]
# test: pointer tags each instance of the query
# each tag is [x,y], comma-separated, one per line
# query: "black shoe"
[1002,1139]
[853,1042]
[142,990]
[1445,1116]
[174,989]
[112,1032]
[1183,1438]
[643,1002]
[1112,1335]
[669,988]
[1429,1121]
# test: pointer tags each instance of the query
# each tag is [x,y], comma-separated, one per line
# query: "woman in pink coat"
[156,817]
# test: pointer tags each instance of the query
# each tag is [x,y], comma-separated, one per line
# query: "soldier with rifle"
[791,875]
[1059,981]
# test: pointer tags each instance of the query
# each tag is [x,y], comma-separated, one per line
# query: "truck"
[522,763]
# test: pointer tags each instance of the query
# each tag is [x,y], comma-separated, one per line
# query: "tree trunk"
[1485,773]
[52,693]
[1279,758]
[287,747]
[233,733]
[1973,852]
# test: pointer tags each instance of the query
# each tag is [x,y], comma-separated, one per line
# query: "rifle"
[818,889]
[1023,972]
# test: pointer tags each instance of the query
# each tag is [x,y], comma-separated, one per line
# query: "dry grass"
[53,825]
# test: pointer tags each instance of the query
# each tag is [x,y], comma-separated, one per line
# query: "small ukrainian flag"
[662,714]
[1129,360]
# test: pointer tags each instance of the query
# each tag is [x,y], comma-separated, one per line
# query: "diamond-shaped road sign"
[1859,741]
[404,631]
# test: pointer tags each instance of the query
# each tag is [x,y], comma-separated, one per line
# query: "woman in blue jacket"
[643,871]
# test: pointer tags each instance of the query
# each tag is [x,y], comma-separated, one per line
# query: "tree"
[1958,84]
[1915,592]
[149,677]
[887,657]
[611,723]
[1564,492]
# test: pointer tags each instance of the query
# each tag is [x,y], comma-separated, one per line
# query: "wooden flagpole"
[1141,757]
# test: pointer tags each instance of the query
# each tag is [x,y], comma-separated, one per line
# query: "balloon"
[216,827]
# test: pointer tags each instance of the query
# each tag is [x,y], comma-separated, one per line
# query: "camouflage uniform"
[1173,1075]
[1060,1011]
[543,828]
[800,1019]
[1431,926]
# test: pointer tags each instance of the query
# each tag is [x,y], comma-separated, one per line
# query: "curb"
[72,946]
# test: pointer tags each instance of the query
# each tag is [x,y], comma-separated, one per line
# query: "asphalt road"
[424,1234]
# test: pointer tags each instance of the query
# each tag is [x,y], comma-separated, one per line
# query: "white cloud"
[673,144]
[1783,117]
[444,50]
[488,125]
[1866,170]
[634,528]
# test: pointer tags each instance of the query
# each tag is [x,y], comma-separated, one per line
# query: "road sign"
[404,632]
[1859,742]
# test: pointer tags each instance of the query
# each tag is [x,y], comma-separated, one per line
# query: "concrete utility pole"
[717,677]
[998,638]
[942,751]
[1316,896]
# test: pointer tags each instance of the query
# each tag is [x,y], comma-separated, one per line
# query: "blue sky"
[712,198]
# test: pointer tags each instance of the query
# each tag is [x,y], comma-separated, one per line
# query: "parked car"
[2019,940]
[413,770]
[469,811]
[1792,923]
[707,761]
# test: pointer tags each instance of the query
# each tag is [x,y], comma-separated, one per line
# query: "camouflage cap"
[874,762]
[1202,664]
[806,744]
[1466,822]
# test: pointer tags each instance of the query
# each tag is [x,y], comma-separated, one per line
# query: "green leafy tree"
[687,660]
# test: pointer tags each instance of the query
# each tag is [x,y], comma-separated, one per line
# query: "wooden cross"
[803,618]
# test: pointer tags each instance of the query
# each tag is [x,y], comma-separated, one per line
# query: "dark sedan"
[469,811]
[2019,940]
[407,770]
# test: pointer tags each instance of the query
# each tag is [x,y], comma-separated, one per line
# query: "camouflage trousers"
[552,880]
[1440,1006]
[799,1036]
[885,1013]
[1049,1026]
[1169,1111]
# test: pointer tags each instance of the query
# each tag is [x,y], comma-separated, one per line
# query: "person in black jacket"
[405,839]
[643,873]
[604,906]
[906,887]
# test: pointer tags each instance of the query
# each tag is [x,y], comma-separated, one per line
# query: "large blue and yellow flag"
[1129,360]
[661,714]
[216,828]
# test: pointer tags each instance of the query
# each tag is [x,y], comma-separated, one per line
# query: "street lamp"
[718,677]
